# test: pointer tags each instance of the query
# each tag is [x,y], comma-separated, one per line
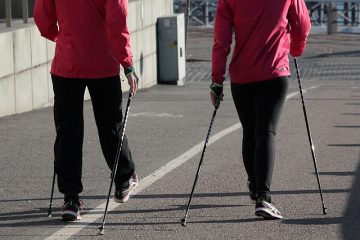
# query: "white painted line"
[291,95]
[153,114]
[97,213]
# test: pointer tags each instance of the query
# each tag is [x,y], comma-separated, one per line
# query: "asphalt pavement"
[166,130]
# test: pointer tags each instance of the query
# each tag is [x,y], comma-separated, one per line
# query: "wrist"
[216,88]
[129,70]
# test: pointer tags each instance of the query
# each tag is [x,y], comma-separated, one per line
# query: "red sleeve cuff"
[297,49]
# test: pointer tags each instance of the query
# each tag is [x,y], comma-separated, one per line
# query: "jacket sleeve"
[46,19]
[300,26]
[118,33]
[222,40]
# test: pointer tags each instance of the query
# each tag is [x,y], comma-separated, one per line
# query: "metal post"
[353,14]
[321,14]
[8,12]
[358,14]
[346,13]
[332,19]
[207,13]
[187,16]
[25,9]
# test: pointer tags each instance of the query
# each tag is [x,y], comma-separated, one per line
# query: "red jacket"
[92,37]
[263,30]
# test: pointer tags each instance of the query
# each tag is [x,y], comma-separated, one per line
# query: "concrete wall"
[25,58]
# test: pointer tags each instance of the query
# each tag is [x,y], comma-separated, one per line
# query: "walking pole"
[183,221]
[116,161]
[51,195]
[310,138]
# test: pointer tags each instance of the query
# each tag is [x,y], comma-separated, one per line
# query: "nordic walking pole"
[51,195]
[183,221]
[310,138]
[116,161]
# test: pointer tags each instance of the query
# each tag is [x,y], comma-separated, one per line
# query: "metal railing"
[8,12]
[347,12]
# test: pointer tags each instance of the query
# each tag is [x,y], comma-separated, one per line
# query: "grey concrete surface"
[221,208]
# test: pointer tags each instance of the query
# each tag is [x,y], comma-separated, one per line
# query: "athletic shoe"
[71,210]
[122,195]
[266,210]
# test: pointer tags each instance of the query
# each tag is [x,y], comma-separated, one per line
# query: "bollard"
[8,12]
[332,19]
[25,11]
[207,13]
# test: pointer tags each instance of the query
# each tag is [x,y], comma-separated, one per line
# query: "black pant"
[106,96]
[259,106]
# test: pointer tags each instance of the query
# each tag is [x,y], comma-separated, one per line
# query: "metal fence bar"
[25,10]
[8,12]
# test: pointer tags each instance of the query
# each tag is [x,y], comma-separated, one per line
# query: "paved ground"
[168,121]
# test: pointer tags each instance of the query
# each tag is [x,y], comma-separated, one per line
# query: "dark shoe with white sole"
[266,210]
[122,195]
[71,210]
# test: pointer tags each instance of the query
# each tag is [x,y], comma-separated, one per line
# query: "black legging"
[259,106]
[106,98]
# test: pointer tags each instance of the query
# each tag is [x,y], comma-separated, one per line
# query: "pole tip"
[324,211]
[102,229]
[183,222]
[49,215]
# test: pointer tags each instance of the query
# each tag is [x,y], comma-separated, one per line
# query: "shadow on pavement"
[186,195]
[41,219]
[351,114]
[38,217]
[350,225]
[337,54]
[344,145]
[353,126]
[315,221]
[336,173]
[350,221]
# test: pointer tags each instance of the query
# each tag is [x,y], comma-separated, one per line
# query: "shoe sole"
[69,216]
[265,213]
[125,199]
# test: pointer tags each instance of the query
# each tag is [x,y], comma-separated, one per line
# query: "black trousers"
[106,97]
[259,107]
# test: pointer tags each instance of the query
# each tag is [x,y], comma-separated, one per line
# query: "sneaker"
[122,195]
[71,210]
[266,210]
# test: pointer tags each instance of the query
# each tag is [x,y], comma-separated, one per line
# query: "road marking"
[153,114]
[97,213]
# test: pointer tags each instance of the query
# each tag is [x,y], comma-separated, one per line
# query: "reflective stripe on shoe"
[267,210]
[123,195]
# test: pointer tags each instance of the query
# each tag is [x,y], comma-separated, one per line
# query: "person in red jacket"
[92,41]
[265,32]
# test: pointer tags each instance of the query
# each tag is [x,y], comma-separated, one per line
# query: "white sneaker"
[266,210]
